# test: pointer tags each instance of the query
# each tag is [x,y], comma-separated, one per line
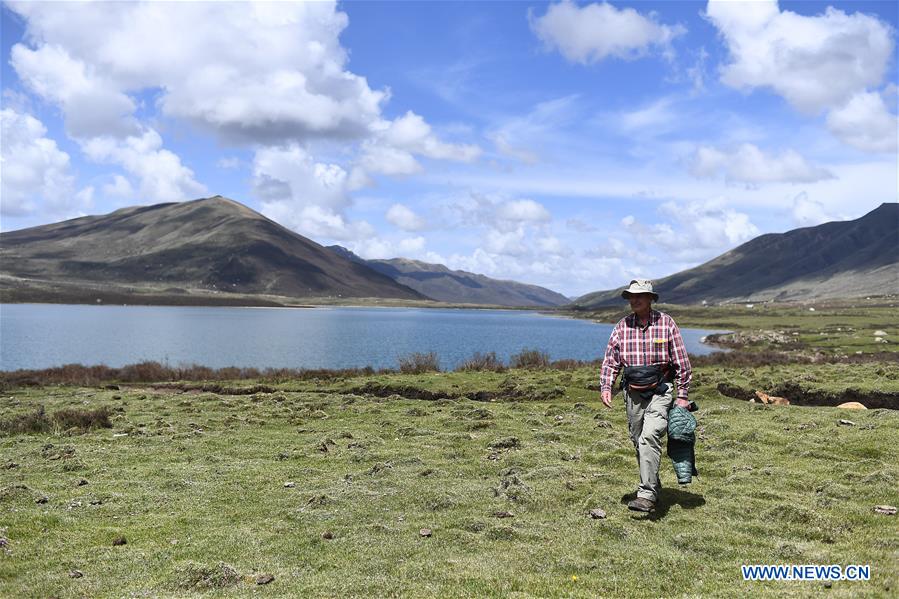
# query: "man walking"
[648,346]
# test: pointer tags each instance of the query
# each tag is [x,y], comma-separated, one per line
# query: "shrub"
[198,576]
[530,358]
[419,363]
[39,422]
[33,422]
[83,419]
[481,362]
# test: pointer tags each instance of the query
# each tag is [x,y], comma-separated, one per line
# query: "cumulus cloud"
[404,218]
[259,74]
[91,103]
[394,143]
[593,32]
[378,248]
[309,197]
[265,72]
[808,212]
[864,122]
[119,187]
[816,62]
[689,232]
[35,173]
[710,224]
[162,177]
[522,211]
[750,165]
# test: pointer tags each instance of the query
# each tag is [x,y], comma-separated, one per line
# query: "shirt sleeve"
[611,362]
[678,353]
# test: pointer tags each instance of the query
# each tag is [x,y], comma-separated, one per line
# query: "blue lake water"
[45,335]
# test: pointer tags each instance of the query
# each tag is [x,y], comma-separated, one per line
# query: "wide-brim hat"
[640,286]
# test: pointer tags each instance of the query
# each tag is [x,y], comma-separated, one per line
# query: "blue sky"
[570,145]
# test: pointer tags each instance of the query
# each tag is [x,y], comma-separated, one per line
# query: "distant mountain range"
[215,250]
[211,245]
[842,259]
[458,286]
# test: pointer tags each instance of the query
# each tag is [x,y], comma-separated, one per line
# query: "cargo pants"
[647,421]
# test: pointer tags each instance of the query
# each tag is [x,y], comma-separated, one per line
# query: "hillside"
[211,245]
[841,259]
[458,286]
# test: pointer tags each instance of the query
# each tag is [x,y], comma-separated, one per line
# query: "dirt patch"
[508,391]
[217,389]
[804,397]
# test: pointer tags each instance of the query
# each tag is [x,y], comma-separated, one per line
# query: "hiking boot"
[641,505]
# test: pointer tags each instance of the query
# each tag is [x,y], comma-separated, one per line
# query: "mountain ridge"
[835,259]
[212,244]
[441,283]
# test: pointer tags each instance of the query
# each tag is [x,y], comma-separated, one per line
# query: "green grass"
[195,482]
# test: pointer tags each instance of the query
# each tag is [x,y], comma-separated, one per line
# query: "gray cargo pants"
[647,422]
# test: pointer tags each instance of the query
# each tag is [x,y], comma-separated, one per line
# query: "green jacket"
[681,442]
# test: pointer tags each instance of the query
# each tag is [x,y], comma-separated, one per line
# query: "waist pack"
[646,380]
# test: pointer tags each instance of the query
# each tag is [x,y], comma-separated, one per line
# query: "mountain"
[458,286]
[841,259]
[208,245]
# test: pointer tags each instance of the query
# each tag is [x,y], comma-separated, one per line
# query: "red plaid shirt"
[659,342]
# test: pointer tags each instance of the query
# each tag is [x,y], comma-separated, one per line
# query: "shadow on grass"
[669,497]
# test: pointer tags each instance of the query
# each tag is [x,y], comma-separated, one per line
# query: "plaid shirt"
[657,343]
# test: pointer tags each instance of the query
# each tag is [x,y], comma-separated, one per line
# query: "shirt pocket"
[659,348]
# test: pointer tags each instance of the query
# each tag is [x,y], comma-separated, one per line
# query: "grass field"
[325,483]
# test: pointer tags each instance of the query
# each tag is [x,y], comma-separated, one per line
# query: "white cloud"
[92,104]
[410,132]
[865,123]
[377,248]
[404,218]
[120,187]
[591,33]
[808,212]
[307,196]
[385,160]
[748,164]
[162,177]
[265,72]
[391,149]
[508,243]
[815,62]
[710,225]
[553,246]
[523,211]
[35,173]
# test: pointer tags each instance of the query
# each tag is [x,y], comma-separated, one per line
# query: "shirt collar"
[654,316]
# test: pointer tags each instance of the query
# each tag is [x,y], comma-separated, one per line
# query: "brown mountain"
[207,245]
[843,259]
[458,286]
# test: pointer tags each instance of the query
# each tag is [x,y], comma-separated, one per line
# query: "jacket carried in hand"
[681,442]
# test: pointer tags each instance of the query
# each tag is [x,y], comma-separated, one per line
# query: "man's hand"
[607,398]
[683,403]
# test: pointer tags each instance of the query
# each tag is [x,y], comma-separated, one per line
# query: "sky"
[570,145]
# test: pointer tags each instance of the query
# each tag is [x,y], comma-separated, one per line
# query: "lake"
[45,335]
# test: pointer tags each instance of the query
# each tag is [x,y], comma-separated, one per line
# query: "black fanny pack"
[646,380]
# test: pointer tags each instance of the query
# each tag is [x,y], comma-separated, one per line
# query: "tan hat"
[640,286]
